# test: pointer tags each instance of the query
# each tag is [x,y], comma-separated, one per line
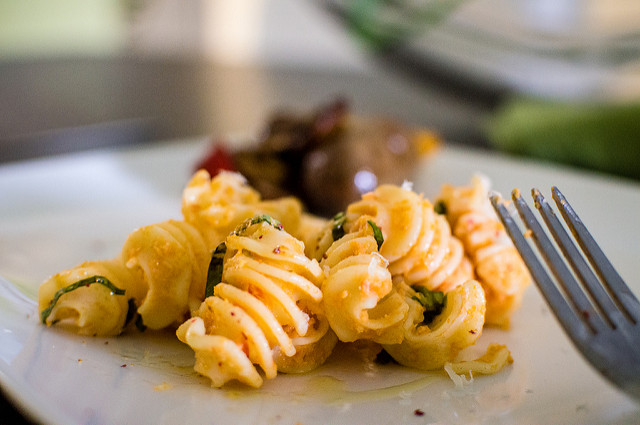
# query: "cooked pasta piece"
[217,357]
[92,308]
[417,241]
[493,360]
[497,264]
[169,260]
[309,232]
[268,304]
[359,298]
[332,230]
[215,206]
[162,271]
[429,345]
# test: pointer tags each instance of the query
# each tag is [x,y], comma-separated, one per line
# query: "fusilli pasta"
[431,345]
[215,206]
[266,309]
[161,269]
[496,261]
[417,241]
[360,300]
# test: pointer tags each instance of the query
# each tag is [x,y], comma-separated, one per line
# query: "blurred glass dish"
[387,23]
[561,49]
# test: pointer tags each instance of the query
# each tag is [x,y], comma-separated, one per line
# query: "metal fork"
[595,307]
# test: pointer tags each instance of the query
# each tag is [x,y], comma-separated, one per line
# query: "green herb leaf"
[377,233]
[440,207]
[44,314]
[256,220]
[338,226]
[140,325]
[214,273]
[131,311]
[432,301]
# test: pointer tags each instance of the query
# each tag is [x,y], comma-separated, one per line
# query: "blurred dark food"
[327,159]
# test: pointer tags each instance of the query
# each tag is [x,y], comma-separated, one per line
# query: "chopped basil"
[131,311]
[432,301]
[140,325]
[256,220]
[44,314]
[214,274]
[338,225]
[377,233]
[440,207]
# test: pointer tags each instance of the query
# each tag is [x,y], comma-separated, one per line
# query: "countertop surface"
[53,106]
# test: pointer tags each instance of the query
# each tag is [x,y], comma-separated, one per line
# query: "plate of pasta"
[135,289]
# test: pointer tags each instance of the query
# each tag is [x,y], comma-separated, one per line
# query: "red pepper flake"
[124,365]
[473,331]
[276,250]
[418,412]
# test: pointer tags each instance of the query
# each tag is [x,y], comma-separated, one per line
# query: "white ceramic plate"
[58,212]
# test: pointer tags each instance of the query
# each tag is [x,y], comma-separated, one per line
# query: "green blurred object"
[385,23]
[57,28]
[597,136]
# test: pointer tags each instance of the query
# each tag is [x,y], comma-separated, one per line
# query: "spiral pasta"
[431,345]
[496,262]
[417,242]
[161,271]
[169,260]
[266,311]
[309,231]
[215,206]
[91,309]
[284,294]
[360,300]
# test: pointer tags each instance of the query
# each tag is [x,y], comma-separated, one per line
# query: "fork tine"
[582,307]
[550,292]
[613,351]
[617,288]
[577,261]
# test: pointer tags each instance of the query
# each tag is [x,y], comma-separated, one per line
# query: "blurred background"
[552,79]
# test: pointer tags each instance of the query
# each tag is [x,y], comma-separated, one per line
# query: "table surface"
[53,106]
